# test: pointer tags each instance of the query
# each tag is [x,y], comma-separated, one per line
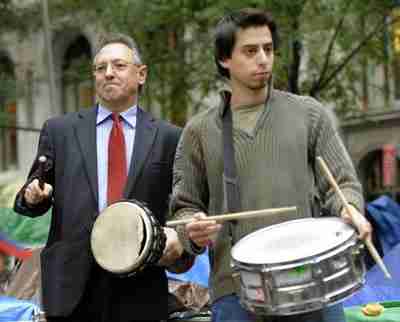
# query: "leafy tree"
[325,49]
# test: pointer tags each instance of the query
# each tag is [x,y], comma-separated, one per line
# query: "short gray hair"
[118,38]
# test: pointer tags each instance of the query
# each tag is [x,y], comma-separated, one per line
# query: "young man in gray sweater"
[276,137]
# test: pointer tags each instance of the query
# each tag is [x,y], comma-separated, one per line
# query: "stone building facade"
[26,101]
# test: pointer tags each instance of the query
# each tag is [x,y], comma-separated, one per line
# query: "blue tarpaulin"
[198,274]
[377,288]
[13,310]
[385,213]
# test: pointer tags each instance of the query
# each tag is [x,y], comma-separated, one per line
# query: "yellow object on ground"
[389,312]
[373,309]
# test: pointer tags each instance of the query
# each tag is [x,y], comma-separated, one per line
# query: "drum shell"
[153,243]
[302,285]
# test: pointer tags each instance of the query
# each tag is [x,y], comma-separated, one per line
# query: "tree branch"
[329,51]
[347,59]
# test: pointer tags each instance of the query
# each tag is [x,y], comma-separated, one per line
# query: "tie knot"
[115,117]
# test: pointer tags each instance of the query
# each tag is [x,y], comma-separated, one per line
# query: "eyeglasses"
[116,65]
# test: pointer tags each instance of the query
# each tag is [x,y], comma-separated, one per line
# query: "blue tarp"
[198,274]
[13,310]
[386,214]
[377,288]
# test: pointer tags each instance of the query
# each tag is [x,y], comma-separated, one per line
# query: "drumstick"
[371,248]
[236,215]
[42,161]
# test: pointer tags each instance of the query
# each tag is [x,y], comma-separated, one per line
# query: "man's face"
[117,76]
[250,65]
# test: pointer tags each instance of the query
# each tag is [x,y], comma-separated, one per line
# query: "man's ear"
[224,63]
[142,73]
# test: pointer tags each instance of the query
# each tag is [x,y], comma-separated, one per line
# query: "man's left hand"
[173,248]
[356,219]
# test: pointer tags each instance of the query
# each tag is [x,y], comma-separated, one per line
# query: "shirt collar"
[129,115]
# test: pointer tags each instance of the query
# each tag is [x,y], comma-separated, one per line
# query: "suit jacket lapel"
[85,130]
[145,135]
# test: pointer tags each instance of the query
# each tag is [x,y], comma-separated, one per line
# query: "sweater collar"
[225,94]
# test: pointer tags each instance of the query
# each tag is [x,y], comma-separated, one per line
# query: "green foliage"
[18,17]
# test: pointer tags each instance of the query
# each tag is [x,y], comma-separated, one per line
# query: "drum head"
[292,241]
[117,237]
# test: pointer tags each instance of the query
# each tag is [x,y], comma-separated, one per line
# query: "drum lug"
[318,271]
[358,250]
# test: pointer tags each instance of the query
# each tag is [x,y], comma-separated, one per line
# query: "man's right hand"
[35,195]
[202,231]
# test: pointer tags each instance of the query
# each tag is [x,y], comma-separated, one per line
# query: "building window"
[78,91]
[380,174]
[8,116]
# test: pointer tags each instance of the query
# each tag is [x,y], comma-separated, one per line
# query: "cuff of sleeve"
[352,198]
[188,245]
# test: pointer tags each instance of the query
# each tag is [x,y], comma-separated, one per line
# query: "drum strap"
[230,177]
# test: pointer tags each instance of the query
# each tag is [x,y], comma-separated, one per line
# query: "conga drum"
[298,266]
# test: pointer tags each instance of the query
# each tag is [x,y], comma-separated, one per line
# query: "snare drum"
[126,238]
[298,266]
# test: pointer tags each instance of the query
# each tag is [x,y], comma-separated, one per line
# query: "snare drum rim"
[352,243]
[235,259]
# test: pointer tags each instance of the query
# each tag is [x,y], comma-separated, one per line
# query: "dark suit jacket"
[69,142]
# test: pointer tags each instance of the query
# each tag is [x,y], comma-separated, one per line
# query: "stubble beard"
[259,85]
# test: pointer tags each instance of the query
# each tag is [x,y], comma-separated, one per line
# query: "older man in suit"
[95,157]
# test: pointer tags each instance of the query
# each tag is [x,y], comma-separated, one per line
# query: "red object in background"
[389,165]
[13,248]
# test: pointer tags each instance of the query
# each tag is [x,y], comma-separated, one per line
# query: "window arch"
[77,81]
[371,169]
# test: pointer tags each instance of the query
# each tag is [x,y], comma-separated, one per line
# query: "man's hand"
[173,248]
[357,220]
[202,231]
[35,195]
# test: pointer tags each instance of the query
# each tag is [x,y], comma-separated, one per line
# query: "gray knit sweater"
[276,167]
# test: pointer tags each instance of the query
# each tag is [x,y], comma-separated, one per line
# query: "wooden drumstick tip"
[375,255]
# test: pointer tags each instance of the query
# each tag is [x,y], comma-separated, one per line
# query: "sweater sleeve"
[190,189]
[327,143]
